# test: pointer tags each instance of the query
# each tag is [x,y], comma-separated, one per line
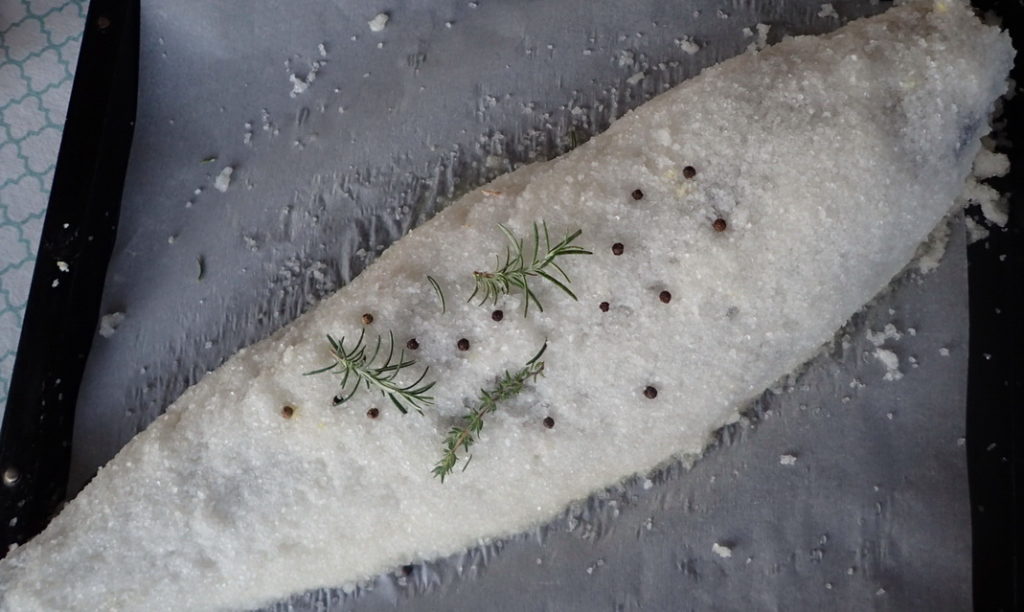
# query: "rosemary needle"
[460,438]
[357,369]
[516,272]
[437,289]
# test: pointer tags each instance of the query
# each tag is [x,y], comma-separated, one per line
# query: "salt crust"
[831,158]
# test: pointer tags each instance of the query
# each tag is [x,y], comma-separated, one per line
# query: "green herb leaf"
[437,288]
[461,437]
[358,370]
[515,273]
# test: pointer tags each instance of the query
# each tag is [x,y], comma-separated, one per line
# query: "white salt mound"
[379,22]
[109,323]
[829,158]
[223,179]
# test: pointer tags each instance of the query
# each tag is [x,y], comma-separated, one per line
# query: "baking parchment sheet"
[842,490]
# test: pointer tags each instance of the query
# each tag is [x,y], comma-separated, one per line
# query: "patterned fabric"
[39,41]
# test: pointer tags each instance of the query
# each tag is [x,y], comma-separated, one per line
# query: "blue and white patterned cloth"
[39,42]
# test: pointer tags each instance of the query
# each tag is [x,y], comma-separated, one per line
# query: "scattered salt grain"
[891,362]
[722,551]
[787,459]
[761,39]
[889,332]
[63,266]
[109,323]
[223,180]
[687,45]
[827,10]
[636,78]
[975,231]
[944,352]
[378,23]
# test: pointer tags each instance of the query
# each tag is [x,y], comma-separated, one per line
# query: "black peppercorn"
[604,306]
[689,172]
[373,413]
[549,422]
[367,319]
[637,194]
[719,225]
[650,393]
[665,297]
[287,411]
[617,248]
[463,344]
[412,345]
[497,315]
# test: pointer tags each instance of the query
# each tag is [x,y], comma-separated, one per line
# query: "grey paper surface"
[873,514]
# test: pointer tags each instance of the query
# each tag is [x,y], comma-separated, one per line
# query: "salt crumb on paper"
[109,323]
[636,78]
[63,266]
[787,459]
[827,10]
[223,180]
[687,44]
[878,338]
[761,38]
[891,362]
[378,23]
[722,551]
[975,231]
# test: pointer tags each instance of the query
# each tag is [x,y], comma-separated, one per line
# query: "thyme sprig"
[462,437]
[517,270]
[357,369]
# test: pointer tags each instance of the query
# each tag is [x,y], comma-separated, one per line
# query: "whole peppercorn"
[367,319]
[689,172]
[463,344]
[604,306]
[637,194]
[497,315]
[618,248]
[719,225]
[549,422]
[287,411]
[665,297]
[412,345]
[373,413]
[650,393]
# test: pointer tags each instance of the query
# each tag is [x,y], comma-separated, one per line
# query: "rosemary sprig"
[437,289]
[517,270]
[357,367]
[462,437]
